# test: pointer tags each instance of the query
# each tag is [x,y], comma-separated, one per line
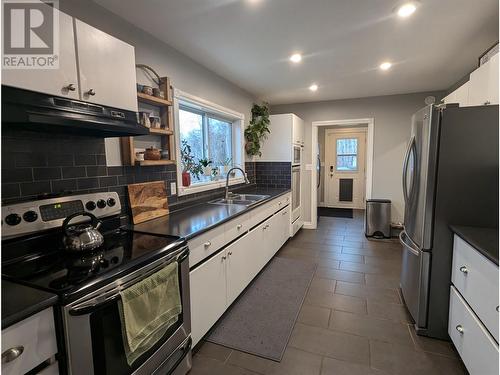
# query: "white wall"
[392,117]
[186,74]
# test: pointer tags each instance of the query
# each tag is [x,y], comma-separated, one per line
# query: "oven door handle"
[86,307]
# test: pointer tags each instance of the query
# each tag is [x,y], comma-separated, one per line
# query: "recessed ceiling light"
[296,58]
[313,87]
[406,10]
[385,66]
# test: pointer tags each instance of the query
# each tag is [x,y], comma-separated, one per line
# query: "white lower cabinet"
[29,342]
[208,295]
[476,347]
[217,282]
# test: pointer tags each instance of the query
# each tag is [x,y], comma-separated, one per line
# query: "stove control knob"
[12,219]
[90,205]
[101,203]
[30,216]
[111,202]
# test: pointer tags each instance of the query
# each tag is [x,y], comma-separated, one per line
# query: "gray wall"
[186,74]
[391,115]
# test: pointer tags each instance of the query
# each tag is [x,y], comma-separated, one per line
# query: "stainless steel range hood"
[29,110]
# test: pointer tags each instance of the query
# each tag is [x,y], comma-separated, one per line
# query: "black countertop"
[20,301]
[194,220]
[484,240]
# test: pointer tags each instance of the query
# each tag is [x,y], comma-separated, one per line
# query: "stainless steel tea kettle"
[82,237]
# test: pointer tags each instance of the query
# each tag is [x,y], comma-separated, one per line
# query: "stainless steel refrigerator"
[450,176]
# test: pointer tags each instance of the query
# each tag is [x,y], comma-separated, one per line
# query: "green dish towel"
[147,309]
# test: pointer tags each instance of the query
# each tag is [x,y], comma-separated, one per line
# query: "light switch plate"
[173,188]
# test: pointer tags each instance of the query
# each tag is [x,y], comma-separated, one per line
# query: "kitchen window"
[347,154]
[214,134]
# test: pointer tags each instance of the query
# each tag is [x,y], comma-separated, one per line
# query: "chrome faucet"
[226,196]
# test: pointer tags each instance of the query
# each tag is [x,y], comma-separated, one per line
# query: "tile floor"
[352,321]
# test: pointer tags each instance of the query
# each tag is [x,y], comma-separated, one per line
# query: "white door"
[107,68]
[345,168]
[62,81]
[208,295]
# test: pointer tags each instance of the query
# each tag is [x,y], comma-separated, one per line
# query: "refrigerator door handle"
[408,242]
[405,168]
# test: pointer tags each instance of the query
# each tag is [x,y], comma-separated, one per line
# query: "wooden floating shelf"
[144,163]
[161,131]
[153,99]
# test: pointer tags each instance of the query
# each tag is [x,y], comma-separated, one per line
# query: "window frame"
[196,104]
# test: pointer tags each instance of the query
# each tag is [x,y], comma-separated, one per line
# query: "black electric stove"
[40,260]
[43,262]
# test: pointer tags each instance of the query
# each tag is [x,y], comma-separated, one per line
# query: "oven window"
[107,341]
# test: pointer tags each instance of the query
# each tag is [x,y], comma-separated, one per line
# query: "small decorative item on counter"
[165,154]
[152,154]
[215,173]
[205,164]
[155,122]
[139,156]
[144,119]
[148,90]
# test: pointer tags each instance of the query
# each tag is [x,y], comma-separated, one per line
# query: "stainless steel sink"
[240,199]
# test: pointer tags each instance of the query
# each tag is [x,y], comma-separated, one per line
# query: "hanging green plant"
[258,129]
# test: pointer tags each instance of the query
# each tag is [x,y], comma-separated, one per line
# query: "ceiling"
[343,42]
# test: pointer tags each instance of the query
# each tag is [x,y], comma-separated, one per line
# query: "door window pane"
[219,140]
[347,154]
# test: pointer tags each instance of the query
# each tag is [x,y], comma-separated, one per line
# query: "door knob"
[207,244]
[91,92]
[239,226]
[70,87]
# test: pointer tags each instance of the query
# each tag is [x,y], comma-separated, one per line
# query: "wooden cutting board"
[148,201]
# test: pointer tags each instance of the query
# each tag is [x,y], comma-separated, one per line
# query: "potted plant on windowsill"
[225,166]
[205,165]
[189,166]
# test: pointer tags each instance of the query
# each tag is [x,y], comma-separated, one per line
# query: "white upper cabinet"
[483,84]
[460,95]
[286,130]
[106,67]
[298,130]
[62,81]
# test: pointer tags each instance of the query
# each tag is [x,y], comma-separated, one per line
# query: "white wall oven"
[296,154]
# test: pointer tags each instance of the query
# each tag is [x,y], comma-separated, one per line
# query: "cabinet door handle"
[10,354]
[229,253]
[91,92]
[224,258]
[279,203]
[497,309]
[70,87]
[487,102]
[460,329]
[207,244]
[464,269]
[283,213]
[239,226]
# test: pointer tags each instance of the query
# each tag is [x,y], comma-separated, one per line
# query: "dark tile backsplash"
[273,174]
[35,163]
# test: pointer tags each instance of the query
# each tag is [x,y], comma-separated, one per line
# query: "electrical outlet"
[173,188]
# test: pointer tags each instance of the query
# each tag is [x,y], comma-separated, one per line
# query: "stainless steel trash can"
[378,218]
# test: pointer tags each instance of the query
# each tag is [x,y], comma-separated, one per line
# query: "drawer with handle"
[476,278]
[261,213]
[476,347]
[236,227]
[28,343]
[205,244]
